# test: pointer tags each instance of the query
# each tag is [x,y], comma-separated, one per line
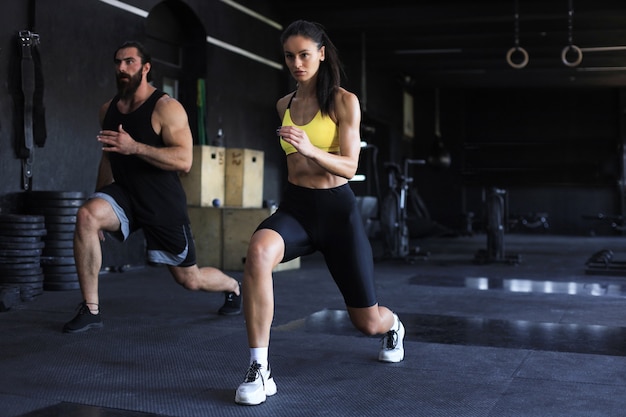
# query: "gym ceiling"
[500,43]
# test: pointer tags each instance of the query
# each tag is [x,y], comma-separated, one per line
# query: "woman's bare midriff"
[306,173]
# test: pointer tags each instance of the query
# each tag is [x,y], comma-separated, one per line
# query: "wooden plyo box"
[206,226]
[238,225]
[205,181]
[222,236]
[244,178]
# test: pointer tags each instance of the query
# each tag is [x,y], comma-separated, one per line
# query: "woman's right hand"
[297,138]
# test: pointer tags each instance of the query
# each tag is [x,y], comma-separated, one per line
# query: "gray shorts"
[168,245]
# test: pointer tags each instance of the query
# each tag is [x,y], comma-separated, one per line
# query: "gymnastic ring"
[510,53]
[577,50]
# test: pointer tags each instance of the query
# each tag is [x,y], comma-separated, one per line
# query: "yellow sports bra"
[322,132]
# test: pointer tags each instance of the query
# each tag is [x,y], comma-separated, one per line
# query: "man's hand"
[118,141]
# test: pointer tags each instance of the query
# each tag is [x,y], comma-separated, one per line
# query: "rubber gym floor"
[542,337]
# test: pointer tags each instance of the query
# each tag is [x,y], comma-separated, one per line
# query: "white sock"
[259,355]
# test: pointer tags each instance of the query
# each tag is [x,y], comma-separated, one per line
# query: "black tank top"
[157,195]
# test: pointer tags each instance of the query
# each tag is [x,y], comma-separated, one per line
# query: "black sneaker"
[83,321]
[232,304]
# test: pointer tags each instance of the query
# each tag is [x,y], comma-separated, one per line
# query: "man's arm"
[176,133]
[170,120]
[105,175]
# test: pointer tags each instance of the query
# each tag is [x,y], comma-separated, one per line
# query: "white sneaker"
[258,384]
[393,347]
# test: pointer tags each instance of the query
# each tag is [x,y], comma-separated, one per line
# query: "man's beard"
[126,89]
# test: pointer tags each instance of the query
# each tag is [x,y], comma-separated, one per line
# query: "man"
[146,142]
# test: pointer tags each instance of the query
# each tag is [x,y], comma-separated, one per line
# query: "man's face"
[128,71]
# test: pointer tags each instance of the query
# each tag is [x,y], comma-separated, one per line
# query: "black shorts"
[168,245]
[329,221]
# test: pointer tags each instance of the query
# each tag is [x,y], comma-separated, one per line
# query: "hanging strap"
[39,111]
[26,40]
[33,111]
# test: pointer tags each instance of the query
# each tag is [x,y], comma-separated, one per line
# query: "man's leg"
[204,279]
[92,218]
[211,279]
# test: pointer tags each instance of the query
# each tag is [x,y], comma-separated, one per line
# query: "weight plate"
[53,260]
[28,291]
[18,260]
[60,236]
[60,277]
[20,218]
[60,286]
[60,219]
[56,203]
[54,195]
[19,279]
[19,239]
[17,253]
[58,252]
[21,272]
[59,244]
[60,227]
[22,226]
[9,295]
[23,233]
[54,211]
[18,245]
[4,267]
[59,269]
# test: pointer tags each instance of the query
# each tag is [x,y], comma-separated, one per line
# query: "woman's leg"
[380,320]
[371,320]
[265,251]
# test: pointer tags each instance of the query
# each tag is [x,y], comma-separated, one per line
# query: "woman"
[320,135]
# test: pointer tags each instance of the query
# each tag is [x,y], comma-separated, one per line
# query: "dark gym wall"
[14,17]
[78,38]
[554,150]
[77,41]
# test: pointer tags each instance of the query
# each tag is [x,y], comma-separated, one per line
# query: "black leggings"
[329,221]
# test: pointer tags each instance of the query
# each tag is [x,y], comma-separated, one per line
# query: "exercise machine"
[394,214]
[603,262]
[496,205]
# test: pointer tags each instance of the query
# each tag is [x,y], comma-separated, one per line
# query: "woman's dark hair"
[141,51]
[330,71]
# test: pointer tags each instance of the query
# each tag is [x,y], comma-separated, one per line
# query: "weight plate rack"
[21,247]
[59,209]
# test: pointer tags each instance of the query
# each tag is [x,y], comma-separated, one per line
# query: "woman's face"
[302,57]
